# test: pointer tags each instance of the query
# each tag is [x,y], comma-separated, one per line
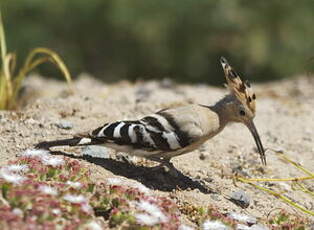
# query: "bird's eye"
[242,112]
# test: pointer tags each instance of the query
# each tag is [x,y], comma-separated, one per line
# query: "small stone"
[96,151]
[240,198]
[242,218]
[209,179]
[142,94]
[64,124]
[311,227]
[215,197]
[203,156]
[166,83]
[125,158]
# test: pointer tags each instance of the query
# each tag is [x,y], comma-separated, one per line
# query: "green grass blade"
[54,56]
[3,98]
[3,49]
[9,60]
[3,46]
[32,61]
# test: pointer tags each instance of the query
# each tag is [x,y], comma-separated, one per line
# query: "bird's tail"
[75,141]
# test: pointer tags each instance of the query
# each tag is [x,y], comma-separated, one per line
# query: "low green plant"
[11,78]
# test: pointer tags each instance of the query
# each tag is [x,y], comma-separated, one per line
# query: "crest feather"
[241,89]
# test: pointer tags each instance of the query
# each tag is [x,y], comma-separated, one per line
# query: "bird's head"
[242,106]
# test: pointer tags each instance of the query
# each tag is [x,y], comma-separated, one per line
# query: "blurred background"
[177,39]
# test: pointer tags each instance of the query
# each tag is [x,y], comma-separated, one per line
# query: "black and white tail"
[75,141]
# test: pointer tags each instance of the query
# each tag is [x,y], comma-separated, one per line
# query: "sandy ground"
[285,112]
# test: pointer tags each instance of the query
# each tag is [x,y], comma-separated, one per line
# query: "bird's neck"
[223,108]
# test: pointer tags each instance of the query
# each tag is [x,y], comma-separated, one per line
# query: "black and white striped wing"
[155,133]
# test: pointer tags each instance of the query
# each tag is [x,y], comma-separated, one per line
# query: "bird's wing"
[157,132]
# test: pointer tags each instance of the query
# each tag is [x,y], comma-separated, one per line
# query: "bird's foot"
[167,167]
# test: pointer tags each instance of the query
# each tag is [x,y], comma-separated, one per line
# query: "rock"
[242,218]
[203,156]
[214,225]
[166,83]
[311,227]
[96,151]
[126,158]
[208,179]
[240,198]
[142,94]
[215,197]
[64,124]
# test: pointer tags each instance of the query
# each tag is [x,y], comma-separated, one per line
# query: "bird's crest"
[241,89]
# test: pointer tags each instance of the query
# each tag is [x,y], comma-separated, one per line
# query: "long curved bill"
[258,142]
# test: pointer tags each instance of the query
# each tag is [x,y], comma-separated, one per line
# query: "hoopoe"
[175,131]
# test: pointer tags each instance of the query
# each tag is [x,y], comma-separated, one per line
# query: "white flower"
[117,181]
[93,225]
[114,181]
[142,188]
[214,225]
[185,227]
[34,153]
[152,210]
[11,177]
[146,219]
[243,227]
[17,212]
[242,218]
[52,161]
[73,184]
[17,168]
[154,214]
[86,207]
[48,190]
[75,199]
[56,211]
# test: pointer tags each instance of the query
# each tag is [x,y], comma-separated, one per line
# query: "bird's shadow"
[154,179]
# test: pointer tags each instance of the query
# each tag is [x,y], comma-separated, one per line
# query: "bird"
[171,132]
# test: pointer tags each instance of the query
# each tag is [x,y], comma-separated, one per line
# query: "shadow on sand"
[154,179]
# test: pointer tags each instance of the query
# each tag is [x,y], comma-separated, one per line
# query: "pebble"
[240,198]
[96,151]
[166,83]
[203,156]
[215,197]
[124,157]
[64,124]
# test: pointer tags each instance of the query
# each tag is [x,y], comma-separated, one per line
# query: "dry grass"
[296,184]
[11,78]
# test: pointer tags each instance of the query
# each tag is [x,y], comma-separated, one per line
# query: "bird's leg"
[165,165]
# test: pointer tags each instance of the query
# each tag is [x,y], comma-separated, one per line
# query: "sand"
[285,111]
